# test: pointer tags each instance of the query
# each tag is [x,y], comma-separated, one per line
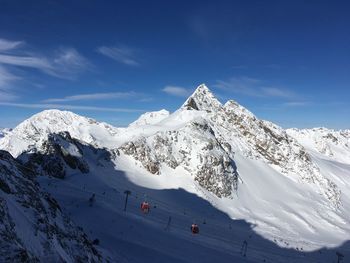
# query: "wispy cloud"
[63,63]
[6,78]
[7,96]
[242,85]
[6,45]
[297,103]
[277,92]
[67,107]
[69,61]
[253,87]
[177,91]
[26,61]
[121,54]
[94,96]
[6,88]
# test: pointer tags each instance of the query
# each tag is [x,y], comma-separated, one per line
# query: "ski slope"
[132,236]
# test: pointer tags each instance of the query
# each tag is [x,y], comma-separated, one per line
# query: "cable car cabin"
[194,229]
[145,207]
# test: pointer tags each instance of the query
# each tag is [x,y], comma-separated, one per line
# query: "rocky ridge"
[33,227]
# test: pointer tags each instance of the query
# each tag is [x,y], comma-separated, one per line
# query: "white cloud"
[67,107]
[69,61]
[177,91]
[94,96]
[6,78]
[242,85]
[297,103]
[6,88]
[26,61]
[121,54]
[7,96]
[253,87]
[277,92]
[6,45]
[64,63]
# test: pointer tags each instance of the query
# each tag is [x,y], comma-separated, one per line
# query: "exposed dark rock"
[52,157]
[44,221]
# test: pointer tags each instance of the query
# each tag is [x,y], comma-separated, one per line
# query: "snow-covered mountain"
[247,168]
[32,132]
[333,145]
[151,118]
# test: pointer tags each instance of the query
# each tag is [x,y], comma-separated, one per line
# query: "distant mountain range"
[291,184]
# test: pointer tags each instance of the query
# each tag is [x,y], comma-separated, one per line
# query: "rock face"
[32,225]
[55,156]
[272,144]
[259,139]
[194,148]
[202,99]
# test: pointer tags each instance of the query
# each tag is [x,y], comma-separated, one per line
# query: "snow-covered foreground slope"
[176,201]
[32,225]
[206,162]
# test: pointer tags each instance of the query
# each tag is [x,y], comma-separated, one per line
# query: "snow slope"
[176,196]
[150,118]
[331,144]
[4,132]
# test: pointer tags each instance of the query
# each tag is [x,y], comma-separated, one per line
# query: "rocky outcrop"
[196,149]
[55,156]
[32,225]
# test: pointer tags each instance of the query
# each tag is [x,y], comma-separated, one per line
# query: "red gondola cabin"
[145,207]
[194,229]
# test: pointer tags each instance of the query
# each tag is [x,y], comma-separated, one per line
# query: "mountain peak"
[150,118]
[31,132]
[54,114]
[202,88]
[202,99]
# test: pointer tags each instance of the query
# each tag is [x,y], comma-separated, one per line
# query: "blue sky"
[287,61]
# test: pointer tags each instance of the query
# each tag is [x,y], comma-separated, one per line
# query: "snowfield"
[4,131]
[283,192]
